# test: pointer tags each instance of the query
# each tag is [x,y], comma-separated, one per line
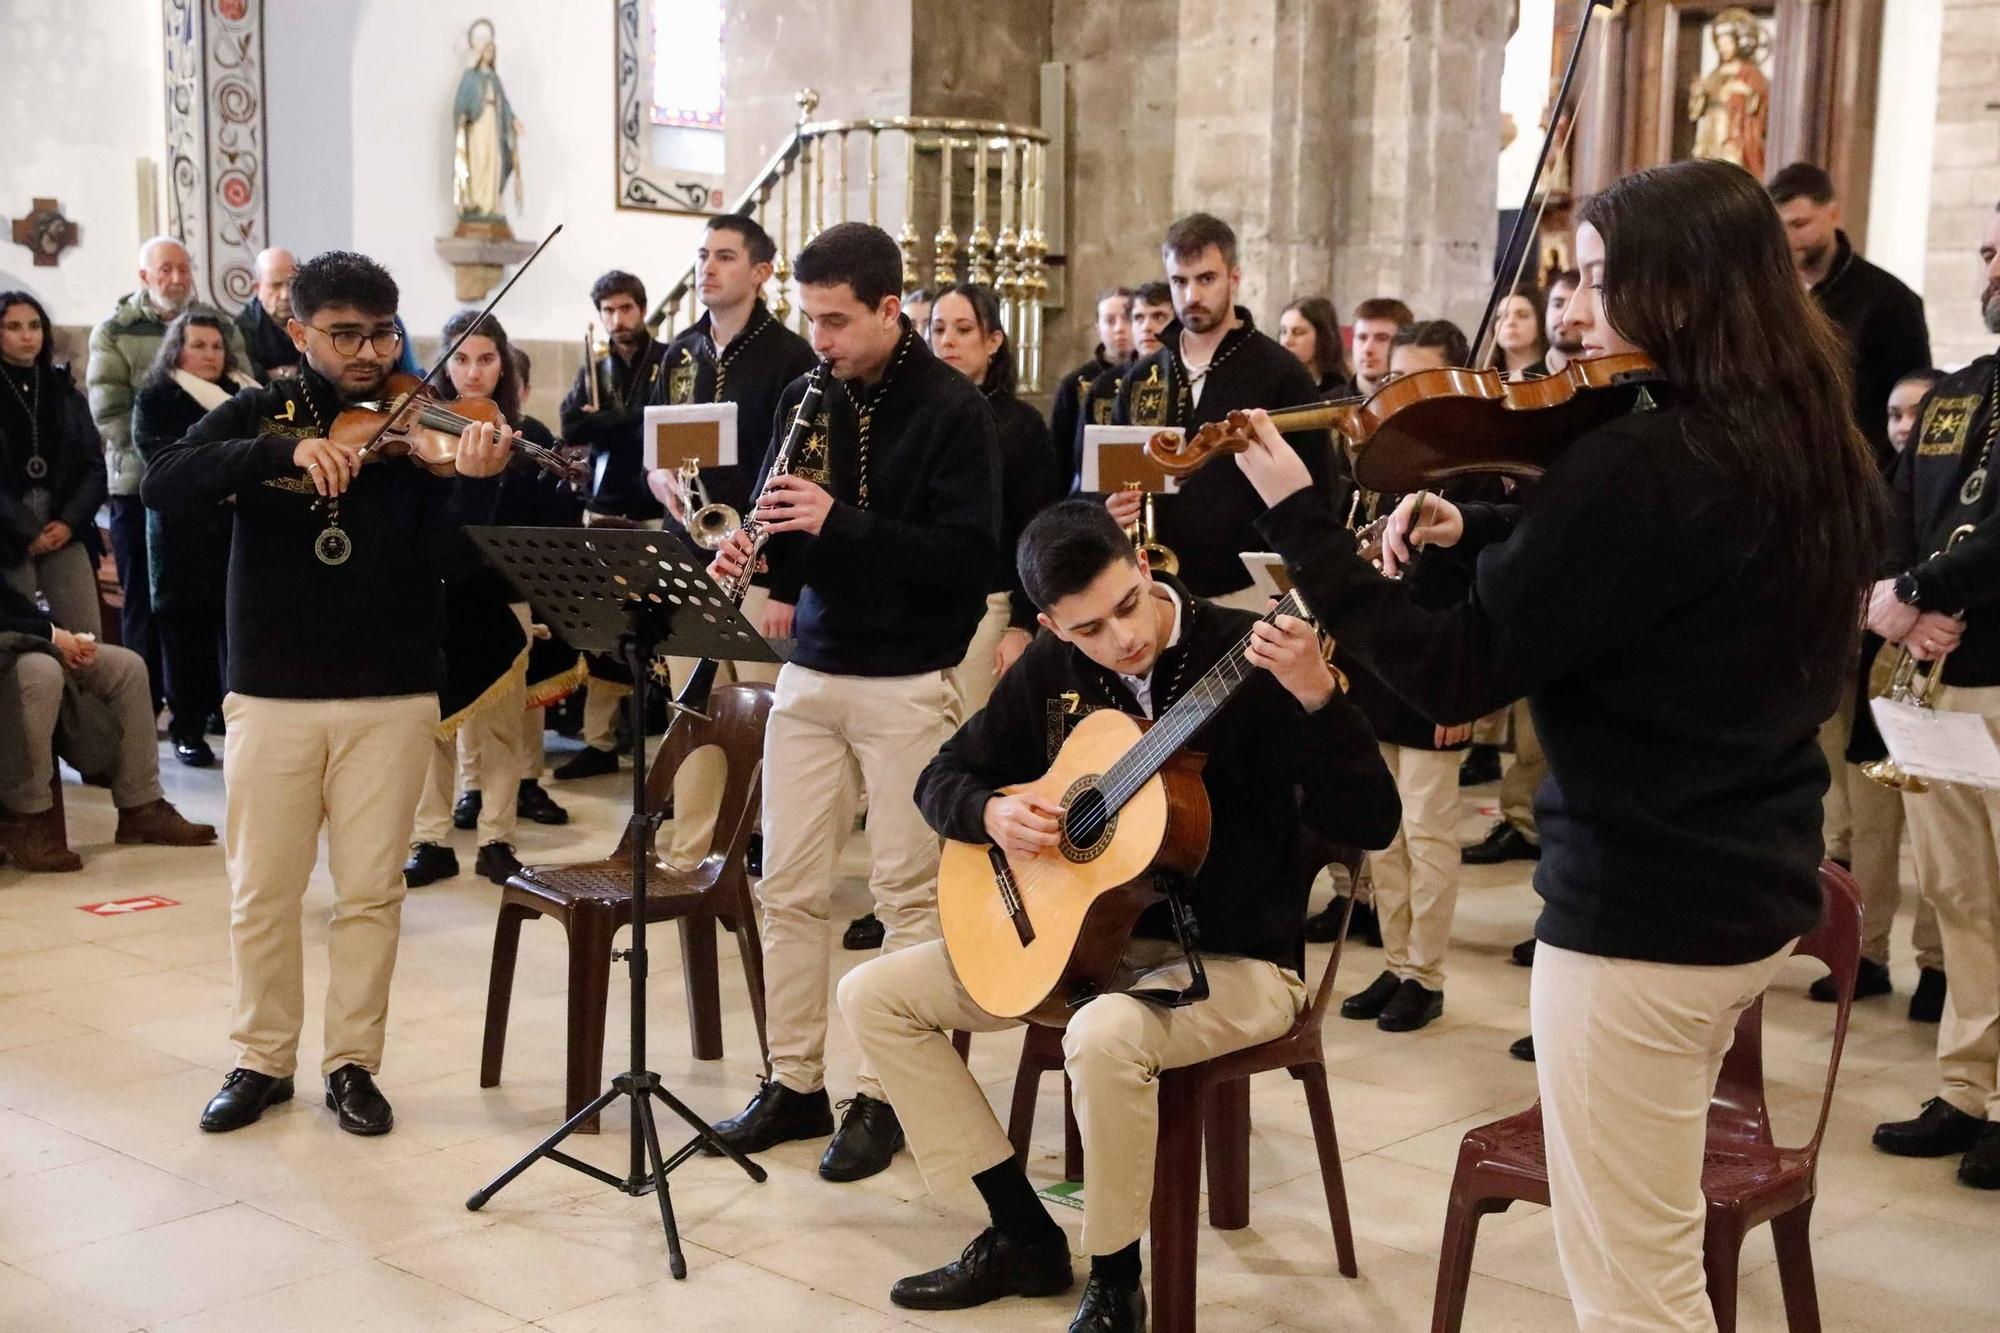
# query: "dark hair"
[1001,375]
[168,359]
[1927,375]
[1442,334]
[1123,293]
[1329,352]
[1153,293]
[46,357]
[1697,273]
[507,390]
[756,241]
[524,366]
[342,277]
[1564,277]
[1065,547]
[1538,301]
[1385,307]
[862,256]
[1802,180]
[1188,237]
[617,283]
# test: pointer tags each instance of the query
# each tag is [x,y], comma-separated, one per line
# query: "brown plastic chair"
[1209,1104]
[593,901]
[1748,1180]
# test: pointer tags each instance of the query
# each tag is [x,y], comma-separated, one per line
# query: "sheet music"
[1114,458]
[1946,747]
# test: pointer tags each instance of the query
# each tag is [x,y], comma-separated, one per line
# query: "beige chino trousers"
[1416,875]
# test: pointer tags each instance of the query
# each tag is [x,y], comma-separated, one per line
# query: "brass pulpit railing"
[984,183]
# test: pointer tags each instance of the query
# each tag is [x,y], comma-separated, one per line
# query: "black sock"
[1017,1214]
[1118,1269]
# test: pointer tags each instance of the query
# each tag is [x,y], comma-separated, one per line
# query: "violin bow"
[430,376]
[1501,284]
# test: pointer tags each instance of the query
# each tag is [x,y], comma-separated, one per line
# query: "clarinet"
[781,463]
[694,694]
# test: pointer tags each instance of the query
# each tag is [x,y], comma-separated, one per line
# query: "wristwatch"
[1906,587]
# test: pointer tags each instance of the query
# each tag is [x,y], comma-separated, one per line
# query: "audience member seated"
[51,471]
[187,551]
[97,692]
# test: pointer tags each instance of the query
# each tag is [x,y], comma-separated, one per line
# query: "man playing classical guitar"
[1287,749]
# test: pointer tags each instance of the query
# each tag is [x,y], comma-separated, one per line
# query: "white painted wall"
[94,68]
[1899,200]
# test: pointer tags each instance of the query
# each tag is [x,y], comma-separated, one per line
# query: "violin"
[411,421]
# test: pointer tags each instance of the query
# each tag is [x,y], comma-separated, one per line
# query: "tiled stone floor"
[116,1213]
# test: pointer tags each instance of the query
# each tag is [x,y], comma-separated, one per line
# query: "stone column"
[1965,181]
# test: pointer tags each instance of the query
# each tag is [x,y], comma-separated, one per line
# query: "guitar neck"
[1164,739]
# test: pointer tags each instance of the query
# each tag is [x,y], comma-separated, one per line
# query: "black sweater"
[1208,522]
[1886,333]
[1096,406]
[893,584]
[70,448]
[1640,609]
[1067,420]
[299,628]
[754,370]
[1269,764]
[612,433]
[1026,488]
[1931,492]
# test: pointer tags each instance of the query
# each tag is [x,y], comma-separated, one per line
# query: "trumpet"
[707,522]
[1910,682]
[1145,539]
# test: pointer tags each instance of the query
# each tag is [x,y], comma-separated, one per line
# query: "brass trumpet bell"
[1160,558]
[1911,682]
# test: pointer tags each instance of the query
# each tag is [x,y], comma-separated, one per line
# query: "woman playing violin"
[335,605]
[1676,606]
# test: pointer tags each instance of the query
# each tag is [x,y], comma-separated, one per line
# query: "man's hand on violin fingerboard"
[483,449]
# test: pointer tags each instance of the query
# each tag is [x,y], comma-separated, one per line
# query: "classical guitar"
[1033,936]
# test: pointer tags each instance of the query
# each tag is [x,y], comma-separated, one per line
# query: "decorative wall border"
[217,201]
[693,192]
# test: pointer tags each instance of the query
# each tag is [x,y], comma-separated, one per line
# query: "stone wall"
[1965,180]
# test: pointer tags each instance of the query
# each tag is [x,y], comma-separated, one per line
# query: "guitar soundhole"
[1088,822]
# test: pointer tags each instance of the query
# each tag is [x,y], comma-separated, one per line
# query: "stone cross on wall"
[46,232]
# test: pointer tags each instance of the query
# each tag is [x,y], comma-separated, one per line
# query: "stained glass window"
[687,63]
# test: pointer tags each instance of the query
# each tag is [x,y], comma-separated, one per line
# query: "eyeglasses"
[348,342]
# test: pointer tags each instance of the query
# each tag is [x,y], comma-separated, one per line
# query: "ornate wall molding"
[216,187]
[687,191]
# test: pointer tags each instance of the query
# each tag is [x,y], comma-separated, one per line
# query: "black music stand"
[635,594]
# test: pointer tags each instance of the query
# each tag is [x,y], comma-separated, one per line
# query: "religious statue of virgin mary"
[487,136]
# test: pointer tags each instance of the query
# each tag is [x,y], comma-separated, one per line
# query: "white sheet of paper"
[722,414]
[1094,440]
[1946,747]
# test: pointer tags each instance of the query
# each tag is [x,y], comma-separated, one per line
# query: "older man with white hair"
[262,319]
[121,351]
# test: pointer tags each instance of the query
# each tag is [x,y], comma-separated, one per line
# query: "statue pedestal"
[479,253]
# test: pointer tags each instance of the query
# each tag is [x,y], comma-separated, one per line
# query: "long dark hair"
[168,359]
[1000,374]
[1538,301]
[507,391]
[46,357]
[1329,352]
[1697,273]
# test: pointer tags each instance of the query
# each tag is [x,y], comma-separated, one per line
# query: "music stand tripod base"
[635,594]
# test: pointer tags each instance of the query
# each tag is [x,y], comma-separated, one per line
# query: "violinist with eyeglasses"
[335,608]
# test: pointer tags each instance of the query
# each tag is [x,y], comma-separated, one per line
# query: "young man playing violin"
[335,608]
[1288,750]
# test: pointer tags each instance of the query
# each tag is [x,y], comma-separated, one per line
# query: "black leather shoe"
[244,1095]
[991,1267]
[1939,1130]
[867,1140]
[775,1115]
[496,861]
[1323,926]
[1503,842]
[1980,1167]
[1870,979]
[1370,1003]
[862,933]
[429,862]
[194,753]
[1523,954]
[351,1092]
[1481,765]
[589,762]
[1927,1000]
[465,814]
[1524,1049]
[1412,1008]
[536,804]
[1109,1309]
